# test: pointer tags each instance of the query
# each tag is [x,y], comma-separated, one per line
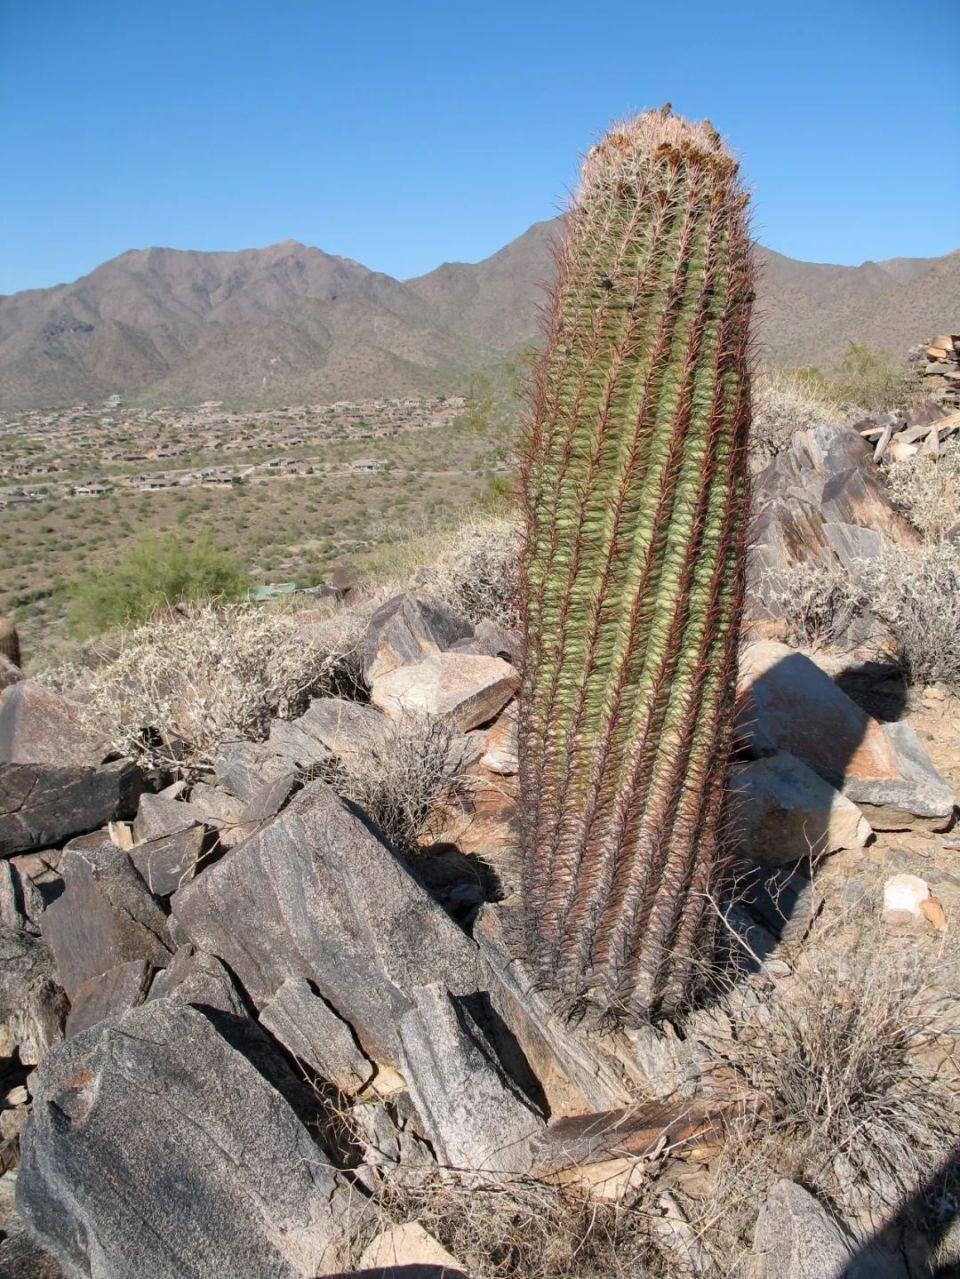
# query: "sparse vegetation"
[927,490]
[784,403]
[871,380]
[917,593]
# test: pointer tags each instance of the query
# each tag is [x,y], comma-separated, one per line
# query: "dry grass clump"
[917,593]
[174,689]
[817,600]
[523,1229]
[927,490]
[783,404]
[472,566]
[398,780]
[842,1079]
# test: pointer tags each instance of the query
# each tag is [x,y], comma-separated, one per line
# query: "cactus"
[9,640]
[635,496]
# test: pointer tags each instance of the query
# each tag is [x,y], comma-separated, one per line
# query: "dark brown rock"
[42,805]
[33,1007]
[38,726]
[405,630]
[105,916]
[168,862]
[108,995]
[317,895]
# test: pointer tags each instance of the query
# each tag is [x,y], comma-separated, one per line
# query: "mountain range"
[290,323]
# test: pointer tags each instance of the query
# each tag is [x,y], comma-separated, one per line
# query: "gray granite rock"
[43,805]
[192,977]
[105,916]
[316,894]
[33,1007]
[309,1028]
[167,862]
[474,1115]
[156,1149]
[343,727]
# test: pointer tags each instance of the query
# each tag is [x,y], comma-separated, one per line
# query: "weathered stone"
[410,1246]
[309,1028]
[192,977]
[797,1238]
[21,901]
[407,628]
[344,728]
[169,861]
[38,726]
[105,916]
[109,995]
[163,815]
[156,1149]
[500,753]
[217,807]
[242,768]
[787,703]
[296,748]
[20,1256]
[33,1007]
[316,894]
[473,1113]
[783,811]
[41,805]
[271,799]
[634,1130]
[464,689]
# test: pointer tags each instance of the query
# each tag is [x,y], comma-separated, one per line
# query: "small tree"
[155,573]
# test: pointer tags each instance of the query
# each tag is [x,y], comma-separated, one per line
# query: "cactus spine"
[635,496]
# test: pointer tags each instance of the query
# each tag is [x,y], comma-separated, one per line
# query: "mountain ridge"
[291,322]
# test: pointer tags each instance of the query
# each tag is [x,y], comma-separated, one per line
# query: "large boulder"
[464,689]
[105,916]
[38,726]
[405,630]
[156,1149]
[316,894]
[41,805]
[787,703]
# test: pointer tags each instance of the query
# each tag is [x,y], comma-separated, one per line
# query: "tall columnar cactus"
[635,497]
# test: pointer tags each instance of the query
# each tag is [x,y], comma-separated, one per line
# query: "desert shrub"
[175,689]
[397,781]
[817,600]
[153,574]
[917,593]
[784,403]
[927,490]
[843,1086]
[865,379]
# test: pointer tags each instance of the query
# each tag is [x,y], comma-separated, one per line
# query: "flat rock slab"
[243,768]
[108,995]
[473,1114]
[783,811]
[344,728]
[405,630]
[633,1131]
[156,1149]
[163,815]
[168,862]
[309,1028]
[316,894]
[464,689]
[787,703]
[38,726]
[500,754]
[42,805]
[105,916]
[411,1247]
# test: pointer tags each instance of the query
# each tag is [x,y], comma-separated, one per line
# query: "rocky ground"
[265,1013]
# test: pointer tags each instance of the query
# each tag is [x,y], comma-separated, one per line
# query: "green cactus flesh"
[635,497]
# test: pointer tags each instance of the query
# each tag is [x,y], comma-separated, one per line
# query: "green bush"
[155,573]
[866,379]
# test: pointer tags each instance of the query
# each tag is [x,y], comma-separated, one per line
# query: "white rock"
[408,1245]
[903,898]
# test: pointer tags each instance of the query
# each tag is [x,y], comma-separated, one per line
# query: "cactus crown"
[634,488]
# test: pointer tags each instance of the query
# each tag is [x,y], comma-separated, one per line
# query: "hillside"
[291,323]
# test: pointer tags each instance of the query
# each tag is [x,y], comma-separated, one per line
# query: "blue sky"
[404,135]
